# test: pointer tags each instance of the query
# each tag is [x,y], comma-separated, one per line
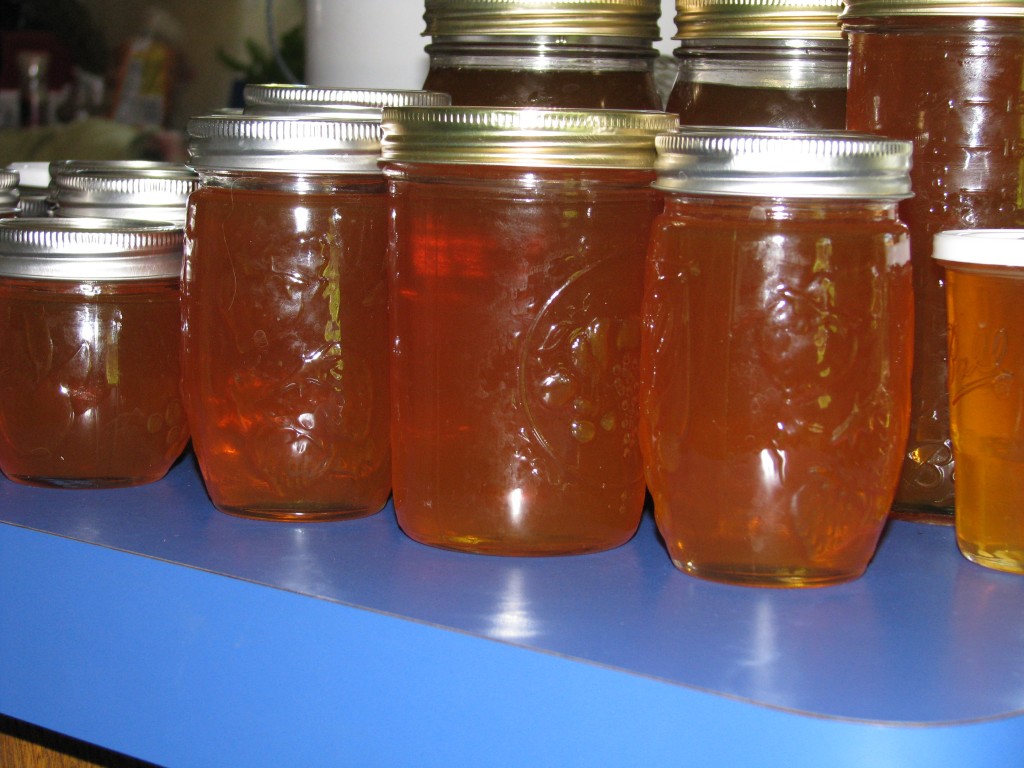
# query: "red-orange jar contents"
[516,287]
[89,339]
[285,317]
[578,54]
[775,362]
[948,77]
[750,63]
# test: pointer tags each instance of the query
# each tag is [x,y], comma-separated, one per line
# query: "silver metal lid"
[982,247]
[125,189]
[986,8]
[347,103]
[89,249]
[764,162]
[283,143]
[523,136]
[8,189]
[556,18]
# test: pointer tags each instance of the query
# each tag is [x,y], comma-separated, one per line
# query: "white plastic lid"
[994,247]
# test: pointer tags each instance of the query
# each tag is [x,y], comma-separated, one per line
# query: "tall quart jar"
[768,63]
[578,54]
[947,76]
[517,251]
[144,190]
[284,310]
[90,381]
[775,379]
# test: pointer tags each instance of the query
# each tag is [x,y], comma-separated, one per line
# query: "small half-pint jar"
[89,342]
[143,190]
[775,376]
[284,306]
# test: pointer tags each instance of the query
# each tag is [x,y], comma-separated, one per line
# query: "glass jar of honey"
[775,376]
[89,348]
[518,243]
[768,63]
[349,103]
[947,76]
[121,189]
[284,307]
[577,54]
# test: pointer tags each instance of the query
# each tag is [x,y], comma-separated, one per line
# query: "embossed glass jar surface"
[579,54]
[89,352]
[946,75]
[777,63]
[285,317]
[775,353]
[516,286]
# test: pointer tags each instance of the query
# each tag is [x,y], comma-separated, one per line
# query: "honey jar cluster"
[540,294]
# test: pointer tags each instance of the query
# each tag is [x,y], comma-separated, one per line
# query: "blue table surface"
[925,637]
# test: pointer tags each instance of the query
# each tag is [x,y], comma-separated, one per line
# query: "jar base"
[1008,560]
[549,547]
[83,483]
[283,513]
[767,577]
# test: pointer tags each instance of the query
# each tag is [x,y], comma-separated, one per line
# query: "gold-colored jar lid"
[582,18]
[986,8]
[547,138]
[803,19]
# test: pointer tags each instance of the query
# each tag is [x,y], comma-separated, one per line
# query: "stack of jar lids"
[121,189]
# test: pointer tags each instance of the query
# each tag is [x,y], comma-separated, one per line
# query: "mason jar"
[775,378]
[315,101]
[579,54]
[90,381]
[768,63]
[945,75]
[518,241]
[284,312]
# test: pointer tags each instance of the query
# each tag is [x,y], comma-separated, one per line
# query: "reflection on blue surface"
[925,636]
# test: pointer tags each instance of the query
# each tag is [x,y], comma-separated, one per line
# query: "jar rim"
[131,189]
[981,247]
[523,136]
[767,162]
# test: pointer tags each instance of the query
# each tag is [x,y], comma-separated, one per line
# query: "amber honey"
[284,315]
[515,290]
[286,349]
[951,83]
